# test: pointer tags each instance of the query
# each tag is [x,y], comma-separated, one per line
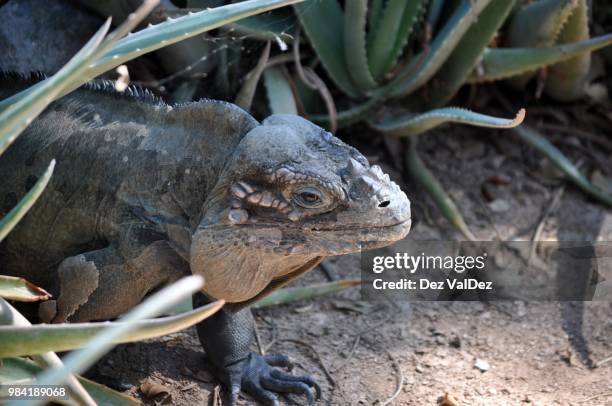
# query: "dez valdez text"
[449,264]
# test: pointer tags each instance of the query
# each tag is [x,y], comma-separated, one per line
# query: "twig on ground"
[603,361]
[316,353]
[260,347]
[400,381]
[216,400]
[273,340]
[358,339]
[538,231]
[350,354]
[601,395]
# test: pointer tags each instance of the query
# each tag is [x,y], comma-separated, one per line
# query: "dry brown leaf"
[447,400]
[153,389]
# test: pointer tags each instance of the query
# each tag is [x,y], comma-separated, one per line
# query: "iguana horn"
[355,167]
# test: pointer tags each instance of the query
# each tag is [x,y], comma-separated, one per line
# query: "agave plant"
[378,53]
[18,337]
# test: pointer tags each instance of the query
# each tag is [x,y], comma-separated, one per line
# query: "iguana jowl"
[144,193]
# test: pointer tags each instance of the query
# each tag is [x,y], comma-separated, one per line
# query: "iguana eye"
[309,198]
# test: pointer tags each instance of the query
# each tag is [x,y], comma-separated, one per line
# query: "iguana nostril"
[384,204]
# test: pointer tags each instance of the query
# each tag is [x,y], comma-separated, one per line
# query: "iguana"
[144,193]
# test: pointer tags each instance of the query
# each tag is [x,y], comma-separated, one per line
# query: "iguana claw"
[256,376]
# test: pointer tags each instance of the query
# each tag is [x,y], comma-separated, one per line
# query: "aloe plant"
[373,53]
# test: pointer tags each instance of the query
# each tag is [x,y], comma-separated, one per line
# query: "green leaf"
[10,315]
[566,81]
[434,12]
[422,175]
[374,17]
[79,360]
[323,22]
[468,52]
[415,124]
[270,26]
[280,95]
[538,24]
[391,36]
[288,295]
[420,70]
[8,222]
[501,63]
[355,44]
[540,143]
[351,115]
[41,338]
[19,289]
[161,35]
[23,371]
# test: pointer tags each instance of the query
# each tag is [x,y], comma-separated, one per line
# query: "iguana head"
[291,194]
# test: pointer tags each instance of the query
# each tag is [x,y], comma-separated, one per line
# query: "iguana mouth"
[400,224]
[356,227]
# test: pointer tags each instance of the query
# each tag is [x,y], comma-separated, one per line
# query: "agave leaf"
[79,360]
[468,51]
[434,12]
[173,58]
[288,295]
[539,142]
[351,115]
[9,315]
[565,81]
[247,92]
[421,174]
[21,371]
[442,46]
[375,12]
[412,14]
[415,124]
[159,36]
[23,108]
[355,44]
[388,42]
[270,26]
[537,25]
[383,40]
[323,22]
[280,95]
[40,338]
[172,31]
[19,289]
[8,222]
[501,63]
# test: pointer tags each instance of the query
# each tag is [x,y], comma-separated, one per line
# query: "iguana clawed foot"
[257,376]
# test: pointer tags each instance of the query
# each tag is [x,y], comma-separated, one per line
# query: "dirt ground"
[428,350]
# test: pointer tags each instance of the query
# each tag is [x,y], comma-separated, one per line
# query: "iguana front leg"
[227,338]
[103,284]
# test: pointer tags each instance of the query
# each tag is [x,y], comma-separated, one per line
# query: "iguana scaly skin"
[144,193]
